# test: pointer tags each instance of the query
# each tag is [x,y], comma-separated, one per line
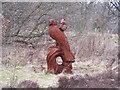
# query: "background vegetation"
[92,34]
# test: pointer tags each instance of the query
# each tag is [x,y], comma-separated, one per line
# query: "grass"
[21,73]
[46,79]
[87,67]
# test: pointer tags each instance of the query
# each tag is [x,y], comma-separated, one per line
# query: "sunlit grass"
[21,73]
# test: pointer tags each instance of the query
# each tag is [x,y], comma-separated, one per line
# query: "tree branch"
[38,6]
[116,6]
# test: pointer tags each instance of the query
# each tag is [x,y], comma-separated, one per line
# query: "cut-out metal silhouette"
[61,49]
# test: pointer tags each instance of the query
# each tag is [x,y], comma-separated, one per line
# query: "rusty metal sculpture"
[61,49]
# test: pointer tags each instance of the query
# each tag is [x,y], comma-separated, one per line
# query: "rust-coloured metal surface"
[61,49]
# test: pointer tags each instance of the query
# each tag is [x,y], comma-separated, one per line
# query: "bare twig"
[23,22]
[110,8]
[116,6]
[37,22]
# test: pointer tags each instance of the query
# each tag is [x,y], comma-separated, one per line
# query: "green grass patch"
[43,79]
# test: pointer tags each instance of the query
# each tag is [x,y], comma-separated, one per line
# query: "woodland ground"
[20,62]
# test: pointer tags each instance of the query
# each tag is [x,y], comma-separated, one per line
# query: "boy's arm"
[63,25]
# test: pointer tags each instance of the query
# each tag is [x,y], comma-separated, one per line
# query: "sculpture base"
[53,66]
